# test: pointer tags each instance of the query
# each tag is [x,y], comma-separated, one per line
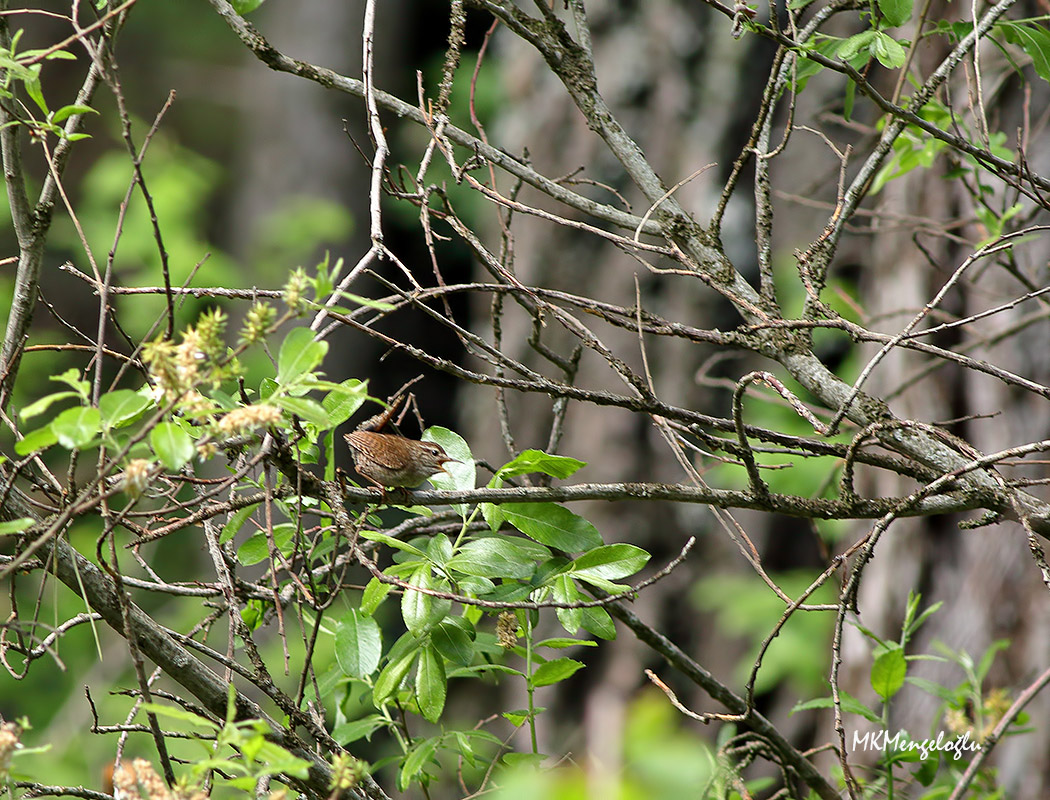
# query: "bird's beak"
[448,461]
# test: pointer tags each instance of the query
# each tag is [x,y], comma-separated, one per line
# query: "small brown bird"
[387,460]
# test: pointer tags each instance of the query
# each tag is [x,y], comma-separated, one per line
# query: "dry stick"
[31,224]
[848,594]
[998,245]
[722,694]
[276,60]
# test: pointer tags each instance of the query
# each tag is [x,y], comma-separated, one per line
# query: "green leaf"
[299,354]
[416,759]
[172,444]
[431,684]
[439,549]
[850,705]
[71,377]
[236,522]
[493,558]
[257,548]
[122,407]
[565,591]
[553,525]
[390,677]
[887,673]
[243,7]
[390,541]
[36,440]
[76,427]
[309,410]
[423,611]
[358,644]
[68,111]
[895,12]
[33,89]
[493,515]
[538,461]
[16,525]
[611,562]
[374,594]
[342,403]
[42,405]
[453,641]
[554,671]
[596,620]
[1034,40]
[356,729]
[855,44]
[563,642]
[378,305]
[458,476]
[888,51]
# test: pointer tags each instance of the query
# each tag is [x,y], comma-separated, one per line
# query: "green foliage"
[532,552]
[969,713]
[23,68]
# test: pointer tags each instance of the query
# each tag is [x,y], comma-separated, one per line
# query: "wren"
[386,460]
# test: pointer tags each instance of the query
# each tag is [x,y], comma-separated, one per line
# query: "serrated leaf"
[849,703]
[888,51]
[299,354]
[76,427]
[854,45]
[358,644]
[1034,40]
[565,591]
[555,671]
[172,444]
[391,676]
[390,541]
[71,377]
[553,525]
[67,111]
[597,622]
